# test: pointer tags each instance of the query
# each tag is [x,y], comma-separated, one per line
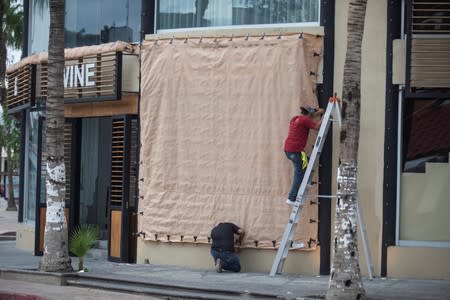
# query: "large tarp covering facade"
[214,117]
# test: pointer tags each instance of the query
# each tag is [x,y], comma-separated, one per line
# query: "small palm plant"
[82,240]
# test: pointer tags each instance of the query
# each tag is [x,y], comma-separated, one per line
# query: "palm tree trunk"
[345,279]
[80,263]
[56,250]
[11,202]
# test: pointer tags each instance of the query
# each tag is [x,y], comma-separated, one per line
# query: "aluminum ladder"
[289,232]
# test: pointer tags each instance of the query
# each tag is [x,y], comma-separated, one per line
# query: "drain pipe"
[399,161]
[401,89]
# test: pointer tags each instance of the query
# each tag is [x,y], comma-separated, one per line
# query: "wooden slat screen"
[430,63]
[42,85]
[133,162]
[118,160]
[430,17]
[105,78]
[20,86]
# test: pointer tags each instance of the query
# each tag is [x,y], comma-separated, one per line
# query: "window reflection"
[174,14]
[87,22]
[32,133]
[91,22]
[39,23]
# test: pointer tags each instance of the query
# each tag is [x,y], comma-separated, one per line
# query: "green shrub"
[83,238]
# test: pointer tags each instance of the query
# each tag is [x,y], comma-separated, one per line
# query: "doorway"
[95,170]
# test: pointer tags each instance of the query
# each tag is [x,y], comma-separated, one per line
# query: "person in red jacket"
[295,143]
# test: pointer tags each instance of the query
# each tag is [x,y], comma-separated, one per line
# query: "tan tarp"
[214,117]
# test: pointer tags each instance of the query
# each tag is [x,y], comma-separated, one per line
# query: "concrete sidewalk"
[8,219]
[135,279]
[125,277]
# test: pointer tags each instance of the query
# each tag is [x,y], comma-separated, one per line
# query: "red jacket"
[299,127]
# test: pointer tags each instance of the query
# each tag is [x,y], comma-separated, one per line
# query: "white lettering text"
[79,75]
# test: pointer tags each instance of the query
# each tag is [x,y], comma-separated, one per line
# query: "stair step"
[98,253]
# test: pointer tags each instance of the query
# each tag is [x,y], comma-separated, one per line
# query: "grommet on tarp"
[140,233]
[274,243]
[156,236]
[209,239]
[262,36]
[311,240]
[301,35]
[195,238]
[168,237]
[256,243]
[181,238]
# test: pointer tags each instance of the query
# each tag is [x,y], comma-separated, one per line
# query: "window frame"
[238,27]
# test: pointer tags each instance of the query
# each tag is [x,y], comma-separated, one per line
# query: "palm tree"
[11,23]
[2,55]
[56,246]
[11,18]
[10,142]
[345,278]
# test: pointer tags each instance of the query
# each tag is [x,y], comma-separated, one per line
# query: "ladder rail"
[362,226]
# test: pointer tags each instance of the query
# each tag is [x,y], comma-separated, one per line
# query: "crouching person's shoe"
[219,265]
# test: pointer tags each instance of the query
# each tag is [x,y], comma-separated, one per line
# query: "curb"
[177,291]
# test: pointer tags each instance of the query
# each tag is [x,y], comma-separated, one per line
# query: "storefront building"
[179,111]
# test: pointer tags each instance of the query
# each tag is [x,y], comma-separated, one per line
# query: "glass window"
[88,22]
[91,22]
[39,23]
[31,161]
[173,14]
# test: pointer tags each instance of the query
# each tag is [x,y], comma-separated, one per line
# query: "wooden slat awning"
[430,63]
[430,17]
[20,91]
